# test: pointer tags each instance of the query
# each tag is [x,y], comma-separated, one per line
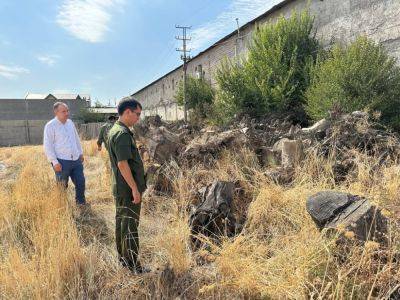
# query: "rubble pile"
[162,144]
[280,147]
[341,139]
[277,142]
[142,129]
[206,146]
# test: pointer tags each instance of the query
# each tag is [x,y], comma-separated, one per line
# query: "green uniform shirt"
[122,146]
[104,129]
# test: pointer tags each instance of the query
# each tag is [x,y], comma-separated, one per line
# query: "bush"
[274,76]
[361,76]
[85,115]
[233,93]
[199,96]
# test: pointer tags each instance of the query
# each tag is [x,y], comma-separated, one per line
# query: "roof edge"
[253,21]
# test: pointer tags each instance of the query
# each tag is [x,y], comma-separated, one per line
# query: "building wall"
[22,121]
[335,21]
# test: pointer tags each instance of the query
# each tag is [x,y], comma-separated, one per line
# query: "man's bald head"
[59,104]
[61,111]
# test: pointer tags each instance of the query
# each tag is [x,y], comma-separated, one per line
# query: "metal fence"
[89,131]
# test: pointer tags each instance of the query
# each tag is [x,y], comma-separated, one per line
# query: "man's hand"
[82,158]
[57,168]
[136,196]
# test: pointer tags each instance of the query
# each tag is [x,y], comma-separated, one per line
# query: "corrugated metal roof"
[104,110]
[30,96]
[33,96]
[66,96]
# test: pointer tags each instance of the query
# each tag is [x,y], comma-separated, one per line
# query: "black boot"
[139,269]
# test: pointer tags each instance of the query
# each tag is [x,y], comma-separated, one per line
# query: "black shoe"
[135,268]
[141,270]
[123,262]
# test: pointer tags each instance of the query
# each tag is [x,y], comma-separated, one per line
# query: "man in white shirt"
[64,151]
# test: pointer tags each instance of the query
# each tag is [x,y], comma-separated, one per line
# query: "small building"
[22,120]
[59,97]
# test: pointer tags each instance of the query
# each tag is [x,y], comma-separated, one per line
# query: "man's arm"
[123,166]
[123,152]
[100,140]
[48,145]
[78,141]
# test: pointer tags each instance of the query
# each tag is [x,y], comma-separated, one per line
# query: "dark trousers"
[73,169]
[126,230]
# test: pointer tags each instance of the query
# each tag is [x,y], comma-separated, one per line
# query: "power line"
[191,15]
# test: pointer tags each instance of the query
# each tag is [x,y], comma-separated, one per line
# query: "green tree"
[361,76]
[274,75]
[199,95]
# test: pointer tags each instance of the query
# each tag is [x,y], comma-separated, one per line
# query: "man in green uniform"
[104,129]
[128,182]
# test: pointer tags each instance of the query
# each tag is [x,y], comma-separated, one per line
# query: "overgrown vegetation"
[49,249]
[86,115]
[286,73]
[361,76]
[199,96]
[275,74]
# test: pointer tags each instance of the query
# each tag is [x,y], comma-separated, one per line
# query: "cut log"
[336,210]
[213,217]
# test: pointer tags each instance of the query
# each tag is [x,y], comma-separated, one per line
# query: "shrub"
[85,115]
[361,76]
[199,95]
[233,94]
[274,76]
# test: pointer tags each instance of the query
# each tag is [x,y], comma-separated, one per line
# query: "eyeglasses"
[136,113]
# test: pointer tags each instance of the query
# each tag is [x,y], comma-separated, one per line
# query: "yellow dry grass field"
[50,249]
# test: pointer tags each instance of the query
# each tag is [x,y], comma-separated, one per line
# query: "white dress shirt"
[61,141]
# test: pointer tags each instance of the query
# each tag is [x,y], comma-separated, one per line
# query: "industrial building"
[335,21]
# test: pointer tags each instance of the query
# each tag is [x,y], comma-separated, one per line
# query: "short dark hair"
[128,103]
[58,104]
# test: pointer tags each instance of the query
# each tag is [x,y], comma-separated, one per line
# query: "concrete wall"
[335,21]
[22,121]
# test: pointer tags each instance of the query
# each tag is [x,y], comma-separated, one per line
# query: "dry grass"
[50,249]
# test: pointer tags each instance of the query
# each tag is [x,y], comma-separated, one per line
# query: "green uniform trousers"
[126,230]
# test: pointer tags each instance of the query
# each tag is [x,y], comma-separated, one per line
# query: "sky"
[106,48]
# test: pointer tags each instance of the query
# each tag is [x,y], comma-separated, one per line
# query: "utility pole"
[237,41]
[185,59]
